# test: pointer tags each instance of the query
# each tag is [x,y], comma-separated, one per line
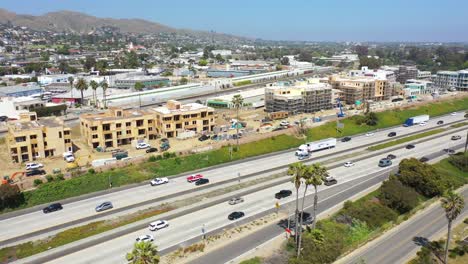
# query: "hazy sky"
[316,20]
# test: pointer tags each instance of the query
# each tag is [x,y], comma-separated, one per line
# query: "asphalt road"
[398,246]
[186,229]
[16,228]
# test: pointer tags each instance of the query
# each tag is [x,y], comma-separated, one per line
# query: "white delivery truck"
[316,145]
[416,120]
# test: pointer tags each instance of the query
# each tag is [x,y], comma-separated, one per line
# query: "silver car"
[236,200]
[104,206]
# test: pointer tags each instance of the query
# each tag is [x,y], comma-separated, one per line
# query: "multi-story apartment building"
[175,117]
[418,87]
[117,127]
[452,80]
[305,98]
[29,138]
[361,88]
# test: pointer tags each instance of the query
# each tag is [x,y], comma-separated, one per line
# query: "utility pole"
[466,143]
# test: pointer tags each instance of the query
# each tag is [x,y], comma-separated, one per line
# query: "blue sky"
[315,20]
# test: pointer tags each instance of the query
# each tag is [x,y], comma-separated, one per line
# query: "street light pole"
[238,176]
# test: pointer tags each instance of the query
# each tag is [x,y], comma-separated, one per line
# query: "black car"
[423,159]
[52,208]
[203,138]
[392,134]
[440,122]
[456,137]
[151,150]
[345,139]
[235,215]
[410,146]
[391,156]
[35,172]
[3,118]
[202,181]
[283,194]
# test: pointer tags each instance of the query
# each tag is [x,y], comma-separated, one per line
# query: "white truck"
[416,120]
[316,145]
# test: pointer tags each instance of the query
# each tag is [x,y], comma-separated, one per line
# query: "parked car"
[151,150]
[159,181]
[142,146]
[283,194]
[328,181]
[68,156]
[35,172]
[33,166]
[284,123]
[456,137]
[214,137]
[440,122]
[236,200]
[194,177]
[410,146]
[52,208]
[235,215]
[391,156]
[385,163]
[159,224]
[345,139]
[423,159]
[202,181]
[145,238]
[392,134]
[203,138]
[369,134]
[104,206]
[349,164]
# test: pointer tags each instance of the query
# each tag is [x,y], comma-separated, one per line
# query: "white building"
[57,78]
[222,52]
[418,87]
[12,107]
[377,74]
[424,74]
[452,80]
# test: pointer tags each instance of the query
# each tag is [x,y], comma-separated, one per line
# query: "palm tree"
[104,87]
[453,204]
[82,85]
[94,85]
[296,170]
[143,253]
[71,80]
[237,101]
[139,87]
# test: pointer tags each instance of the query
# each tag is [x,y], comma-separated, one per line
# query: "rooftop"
[112,114]
[18,88]
[179,108]
[27,125]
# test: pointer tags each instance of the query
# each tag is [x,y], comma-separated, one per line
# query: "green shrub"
[422,177]
[255,260]
[460,160]
[49,178]
[371,212]
[240,83]
[358,232]
[152,158]
[91,171]
[60,177]
[398,196]
[37,182]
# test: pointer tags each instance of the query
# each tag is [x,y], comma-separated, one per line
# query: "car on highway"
[159,181]
[369,134]
[391,156]
[440,122]
[348,164]
[346,139]
[202,181]
[52,208]
[328,181]
[104,206]
[35,172]
[194,177]
[145,238]
[159,224]
[392,134]
[385,163]
[203,138]
[456,137]
[283,194]
[423,123]
[151,150]
[453,113]
[410,146]
[449,151]
[423,159]
[33,166]
[235,215]
[303,156]
[236,200]
[143,145]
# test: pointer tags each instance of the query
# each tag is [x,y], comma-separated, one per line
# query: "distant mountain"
[75,22]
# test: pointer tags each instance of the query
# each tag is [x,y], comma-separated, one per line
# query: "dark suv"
[52,208]
[328,181]
[345,139]
[35,172]
[283,194]
[202,181]
[392,134]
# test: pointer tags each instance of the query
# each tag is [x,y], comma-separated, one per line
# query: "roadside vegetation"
[255,260]
[365,219]
[405,139]
[459,124]
[169,165]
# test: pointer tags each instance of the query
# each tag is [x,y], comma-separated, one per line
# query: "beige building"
[174,118]
[117,127]
[29,138]
[362,88]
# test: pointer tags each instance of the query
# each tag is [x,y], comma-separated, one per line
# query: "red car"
[194,177]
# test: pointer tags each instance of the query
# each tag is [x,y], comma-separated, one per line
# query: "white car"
[348,164]
[145,238]
[369,134]
[68,156]
[453,113]
[156,225]
[422,123]
[159,181]
[142,146]
[284,123]
[33,166]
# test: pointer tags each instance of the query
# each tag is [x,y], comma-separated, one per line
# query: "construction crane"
[338,102]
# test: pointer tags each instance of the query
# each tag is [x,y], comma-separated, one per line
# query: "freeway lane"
[23,225]
[399,245]
[187,228]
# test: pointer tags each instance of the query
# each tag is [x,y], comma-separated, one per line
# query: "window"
[194,122]
[119,133]
[128,124]
[168,125]
[129,132]
[60,134]
[93,128]
[118,125]
[95,136]
[67,140]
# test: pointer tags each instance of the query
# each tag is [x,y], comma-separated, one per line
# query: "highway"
[402,244]
[188,227]
[16,228]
